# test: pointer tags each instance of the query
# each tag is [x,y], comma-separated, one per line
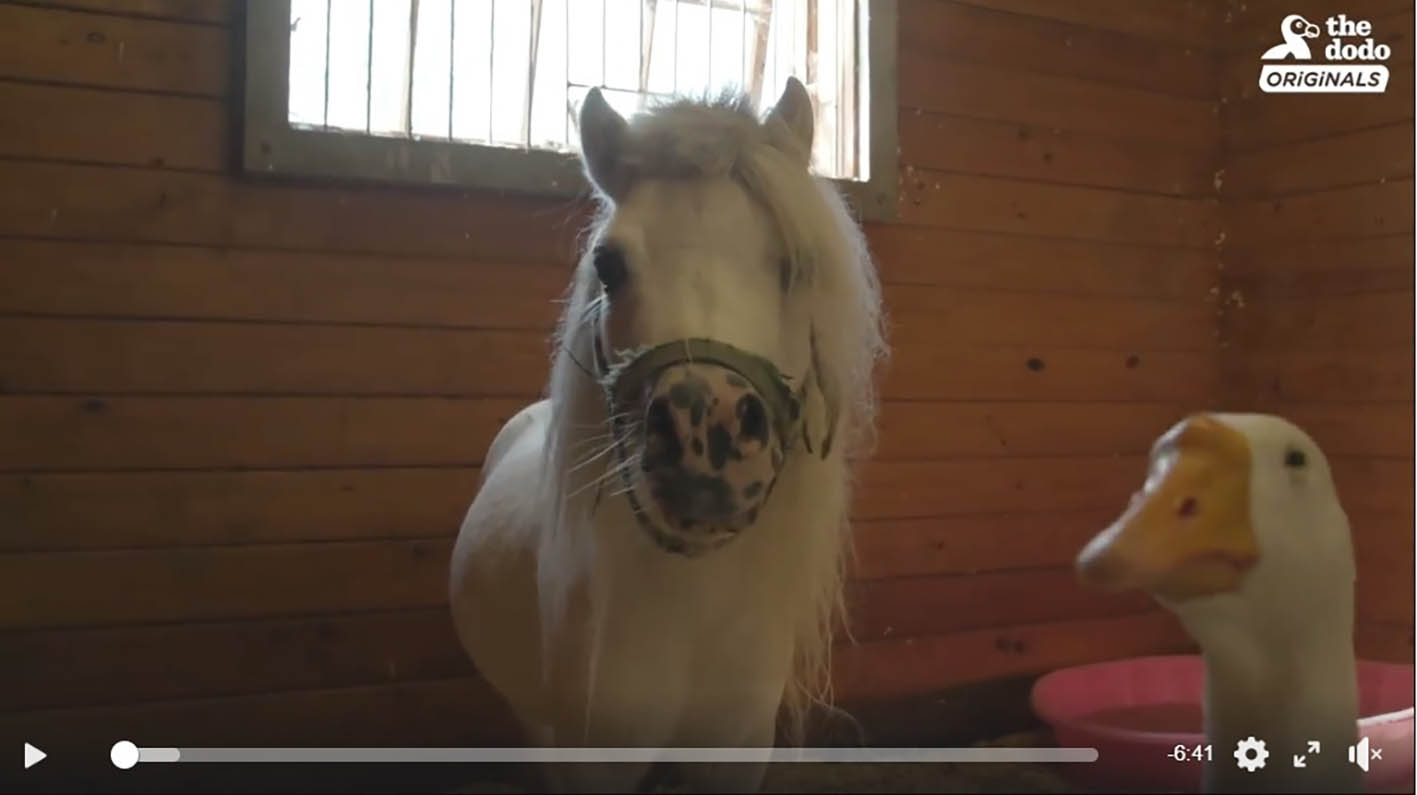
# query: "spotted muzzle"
[718,423]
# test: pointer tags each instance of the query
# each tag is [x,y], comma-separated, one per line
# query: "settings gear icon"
[1250,754]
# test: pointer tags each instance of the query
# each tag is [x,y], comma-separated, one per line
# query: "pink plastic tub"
[1134,712]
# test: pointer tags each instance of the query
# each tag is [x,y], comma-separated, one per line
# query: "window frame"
[272,147]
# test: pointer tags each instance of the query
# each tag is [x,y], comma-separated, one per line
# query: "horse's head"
[704,337]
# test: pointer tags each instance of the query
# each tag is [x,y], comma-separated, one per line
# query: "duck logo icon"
[1352,58]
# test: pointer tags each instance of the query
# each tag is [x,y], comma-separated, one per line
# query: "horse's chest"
[701,632]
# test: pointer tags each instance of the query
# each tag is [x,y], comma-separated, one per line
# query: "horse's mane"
[827,256]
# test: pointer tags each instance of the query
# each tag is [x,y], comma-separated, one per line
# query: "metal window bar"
[452,72]
[774,34]
[640,45]
[743,44]
[325,117]
[535,37]
[566,34]
[647,44]
[406,123]
[835,78]
[845,86]
[368,74]
[809,68]
[761,41]
[708,68]
[491,67]
[799,33]
[814,54]
[855,48]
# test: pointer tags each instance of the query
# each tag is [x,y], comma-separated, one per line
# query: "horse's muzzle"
[715,425]
[710,450]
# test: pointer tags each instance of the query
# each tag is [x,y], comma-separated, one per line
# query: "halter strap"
[641,366]
[783,405]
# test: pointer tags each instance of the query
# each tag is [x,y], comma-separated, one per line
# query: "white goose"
[1238,531]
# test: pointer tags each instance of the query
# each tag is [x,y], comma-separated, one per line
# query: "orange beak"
[1188,532]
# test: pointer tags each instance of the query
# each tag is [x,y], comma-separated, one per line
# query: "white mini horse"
[714,366]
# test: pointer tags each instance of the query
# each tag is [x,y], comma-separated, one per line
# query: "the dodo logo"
[1352,59]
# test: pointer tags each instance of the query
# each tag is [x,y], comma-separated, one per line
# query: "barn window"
[484,93]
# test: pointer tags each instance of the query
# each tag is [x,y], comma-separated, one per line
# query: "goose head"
[1237,529]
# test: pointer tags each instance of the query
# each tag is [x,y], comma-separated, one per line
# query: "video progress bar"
[591,755]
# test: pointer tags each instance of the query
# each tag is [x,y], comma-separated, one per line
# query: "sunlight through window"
[512,73]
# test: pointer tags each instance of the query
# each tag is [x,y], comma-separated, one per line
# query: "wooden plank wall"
[243,419]
[1316,311]
[1057,226]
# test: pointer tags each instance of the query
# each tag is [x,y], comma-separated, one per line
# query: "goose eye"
[610,267]
[1295,459]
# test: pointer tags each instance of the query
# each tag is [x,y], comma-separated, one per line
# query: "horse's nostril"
[659,420]
[662,445]
[1187,508]
[752,418]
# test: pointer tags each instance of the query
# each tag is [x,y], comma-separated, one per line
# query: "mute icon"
[1358,754]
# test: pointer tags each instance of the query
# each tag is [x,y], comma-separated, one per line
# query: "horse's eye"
[610,267]
[1295,459]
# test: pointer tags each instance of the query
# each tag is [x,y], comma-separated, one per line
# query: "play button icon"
[33,756]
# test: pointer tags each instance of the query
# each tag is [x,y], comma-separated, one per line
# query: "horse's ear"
[794,109]
[603,141]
